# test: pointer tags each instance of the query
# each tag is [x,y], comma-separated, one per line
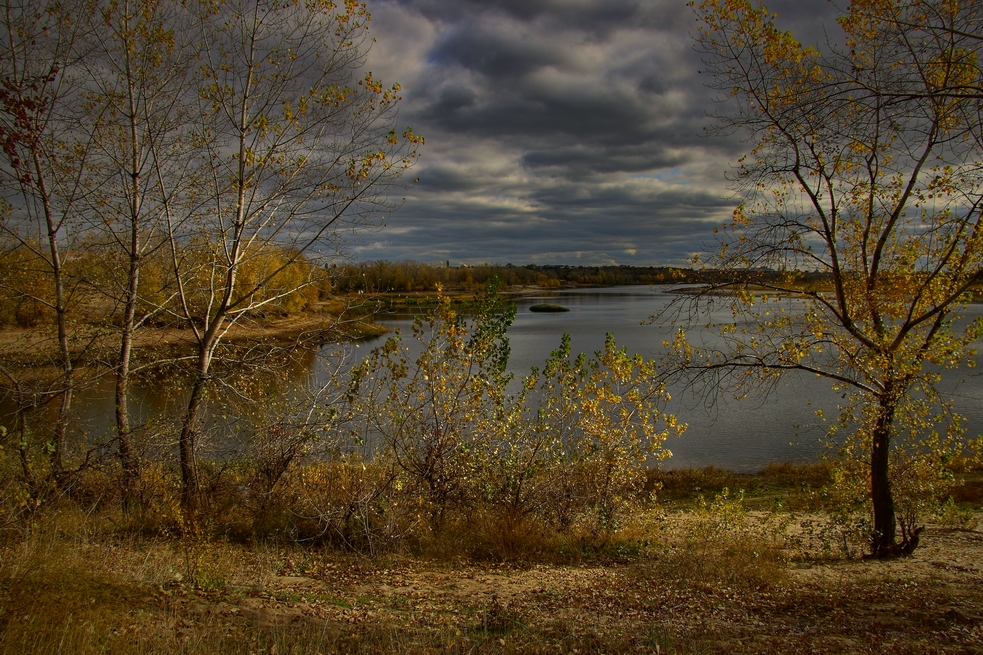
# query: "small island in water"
[545,307]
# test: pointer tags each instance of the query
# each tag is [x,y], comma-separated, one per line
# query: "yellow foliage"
[27,291]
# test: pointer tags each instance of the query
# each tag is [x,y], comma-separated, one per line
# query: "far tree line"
[409,276]
[293,282]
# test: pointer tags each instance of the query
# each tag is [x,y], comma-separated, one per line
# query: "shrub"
[566,449]
[720,543]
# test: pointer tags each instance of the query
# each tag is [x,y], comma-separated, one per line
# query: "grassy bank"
[28,349]
[700,570]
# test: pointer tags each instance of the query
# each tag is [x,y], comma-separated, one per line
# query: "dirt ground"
[675,594]
[35,351]
[697,580]
[931,602]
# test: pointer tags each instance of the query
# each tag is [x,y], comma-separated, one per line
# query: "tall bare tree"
[234,141]
[138,97]
[41,175]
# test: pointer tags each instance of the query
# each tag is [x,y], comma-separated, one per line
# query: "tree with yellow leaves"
[207,151]
[565,447]
[865,167]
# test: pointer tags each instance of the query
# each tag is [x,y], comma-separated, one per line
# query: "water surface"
[742,435]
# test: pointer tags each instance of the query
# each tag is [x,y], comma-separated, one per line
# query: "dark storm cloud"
[597,18]
[558,131]
[497,55]
[580,159]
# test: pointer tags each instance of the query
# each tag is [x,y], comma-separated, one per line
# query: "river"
[741,435]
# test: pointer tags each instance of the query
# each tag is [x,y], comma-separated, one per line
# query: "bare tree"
[296,147]
[43,155]
[138,95]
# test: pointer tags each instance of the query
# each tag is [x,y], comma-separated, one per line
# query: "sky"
[557,131]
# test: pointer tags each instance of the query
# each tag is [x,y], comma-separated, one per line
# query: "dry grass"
[794,485]
[71,585]
[970,491]
[713,578]
[32,348]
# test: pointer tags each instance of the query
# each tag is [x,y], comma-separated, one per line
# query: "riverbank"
[38,347]
[348,318]
[718,577]
[344,319]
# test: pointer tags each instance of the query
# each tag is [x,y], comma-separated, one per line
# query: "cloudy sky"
[557,131]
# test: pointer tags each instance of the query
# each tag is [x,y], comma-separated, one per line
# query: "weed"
[497,618]
[951,515]
[721,543]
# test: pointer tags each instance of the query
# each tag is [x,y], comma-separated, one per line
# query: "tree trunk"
[128,461]
[882,542]
[61,318]
[189,472]
[187,443]
[127,458]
